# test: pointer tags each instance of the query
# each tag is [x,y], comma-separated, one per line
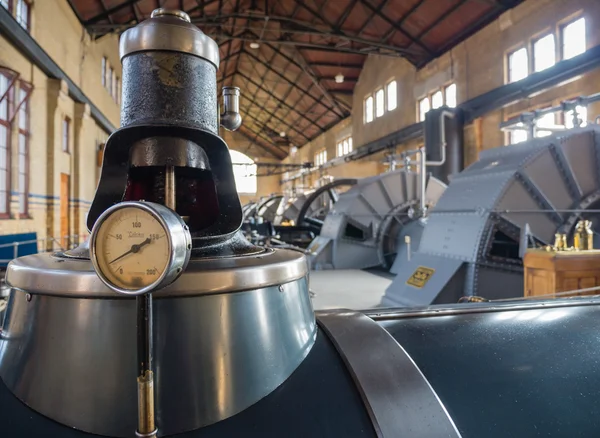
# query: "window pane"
[517,136]
[350,144]
[574,42]
[110,80]
[423,108]
[380,102]
[544,53]
[340,151]
[244,172]
[369,109]
[518,65]
[22,13]
[582,115]
[4,103]
[451,95]
[65,144]
[437,100]
[392,96]
[23,110]
[3,205]
[4,3]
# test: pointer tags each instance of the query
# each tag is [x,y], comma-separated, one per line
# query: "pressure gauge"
[139,247]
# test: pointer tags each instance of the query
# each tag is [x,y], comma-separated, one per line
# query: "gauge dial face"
[132,249]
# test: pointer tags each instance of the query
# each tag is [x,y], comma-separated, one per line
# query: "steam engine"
[232,343]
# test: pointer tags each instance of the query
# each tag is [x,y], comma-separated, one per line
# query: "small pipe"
[423,171]
[145,379]
[170,187]
[231,118]
[443,114]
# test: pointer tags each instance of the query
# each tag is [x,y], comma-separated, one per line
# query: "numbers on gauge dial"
[132,248]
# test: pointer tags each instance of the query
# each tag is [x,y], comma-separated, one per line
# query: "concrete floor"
[347,288]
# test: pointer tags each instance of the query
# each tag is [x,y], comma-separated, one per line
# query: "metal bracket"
[398,397]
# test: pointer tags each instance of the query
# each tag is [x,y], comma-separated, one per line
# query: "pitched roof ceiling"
[288,80]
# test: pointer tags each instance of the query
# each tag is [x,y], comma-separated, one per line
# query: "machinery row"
[445,232]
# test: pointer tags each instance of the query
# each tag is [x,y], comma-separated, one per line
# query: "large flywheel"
[364,217]
[474,238]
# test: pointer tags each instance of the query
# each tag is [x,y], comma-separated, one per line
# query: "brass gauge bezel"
[179,245]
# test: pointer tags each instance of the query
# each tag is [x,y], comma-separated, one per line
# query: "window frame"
[66,139]
[339,146]
[26,133]
[387,95]
[536,40]
[421,117]
[435,93]
[445,92]
[110,79]
[561,34]
[376,103]
[104,70]
[366,120]
[6,123]
[320,157]
[16,11]
[509,54]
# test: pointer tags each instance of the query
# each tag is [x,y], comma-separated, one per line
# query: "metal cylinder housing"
[169,65]
[225,338]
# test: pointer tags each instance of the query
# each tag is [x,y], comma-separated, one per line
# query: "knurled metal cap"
[169,30]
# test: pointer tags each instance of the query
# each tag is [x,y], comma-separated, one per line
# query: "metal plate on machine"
[401,294]
[420,277]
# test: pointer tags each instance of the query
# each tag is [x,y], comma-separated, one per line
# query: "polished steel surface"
[160,12]
[169,32]
[231,119]
[73,359]
[518,372]
[176,231]
[51,275]
[163,151]
[399,399]
[482,307]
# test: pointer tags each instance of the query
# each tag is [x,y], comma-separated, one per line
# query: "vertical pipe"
[423,175]
[145,380]
[170,187]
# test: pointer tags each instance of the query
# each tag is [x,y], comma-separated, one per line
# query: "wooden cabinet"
[547,273]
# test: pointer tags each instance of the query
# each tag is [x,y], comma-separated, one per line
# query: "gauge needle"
[134,248]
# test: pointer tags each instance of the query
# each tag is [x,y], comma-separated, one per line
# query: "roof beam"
[107,13]
[380,6]
[313,77]
[292,26]
[300,113]
[398,28]
[402,20]
[201,6]
[441,18]
[315,14]
[282,76]
[273,115]
[335,64]
[268,143]
[237,5]
[262,82]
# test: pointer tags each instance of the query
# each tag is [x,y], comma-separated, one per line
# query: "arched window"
[244,171]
